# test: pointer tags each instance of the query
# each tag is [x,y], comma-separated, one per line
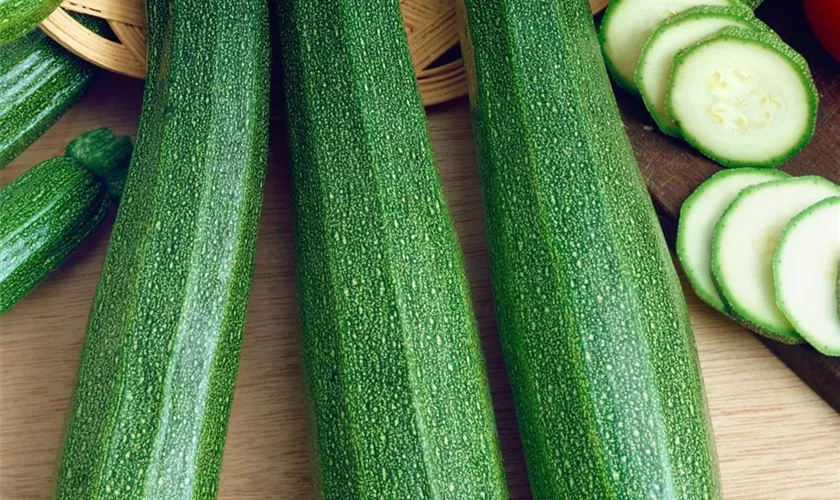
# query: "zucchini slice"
[743,98]
[805,273]
[698,218]
[50,209]
[626,26]
[742,251]
[681,31]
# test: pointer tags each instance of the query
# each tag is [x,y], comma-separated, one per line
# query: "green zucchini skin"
[397,391]
[156,378]
[19,17]
[39,82]
[49,210]
[593,322]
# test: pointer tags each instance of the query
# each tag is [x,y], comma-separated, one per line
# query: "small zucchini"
[49,210]
[39,82]
[19,17]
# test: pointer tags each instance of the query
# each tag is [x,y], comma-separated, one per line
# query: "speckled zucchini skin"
[39,82]
[48,211]
[155,382]
[593,322]
[397,390]
[19,17]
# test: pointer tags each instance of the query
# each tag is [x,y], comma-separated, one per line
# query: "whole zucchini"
[594,326]
[156,378]
[49,210]
[39,82]
[397,391]
[19,17]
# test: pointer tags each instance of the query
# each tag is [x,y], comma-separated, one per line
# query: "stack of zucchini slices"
[764,248]
[711,73]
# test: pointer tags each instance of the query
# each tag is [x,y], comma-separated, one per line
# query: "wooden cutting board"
[673,171]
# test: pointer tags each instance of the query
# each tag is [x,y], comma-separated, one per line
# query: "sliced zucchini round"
[743,98]
[626,26]
[805,273]
[743,244]
[698,218]
[683,30]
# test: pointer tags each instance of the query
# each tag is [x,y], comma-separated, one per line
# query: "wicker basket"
[430,24]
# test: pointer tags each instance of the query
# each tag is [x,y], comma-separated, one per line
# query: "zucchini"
[743,98]
[50,209]
[397,391]
[626,26]
[744,241]
[19,17]
[676,33]
[698,217]
[805,275]
[39,82]
[155,382]
[594,325]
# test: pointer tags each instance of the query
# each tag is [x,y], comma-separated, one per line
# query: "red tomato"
[824,16]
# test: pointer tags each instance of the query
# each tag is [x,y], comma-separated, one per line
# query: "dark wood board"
[673,170]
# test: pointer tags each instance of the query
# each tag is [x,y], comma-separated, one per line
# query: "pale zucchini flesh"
[805,272]
[744,242]
[626,26]
[743,98]
[683,30]
[699,216]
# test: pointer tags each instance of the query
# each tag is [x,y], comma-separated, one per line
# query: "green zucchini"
[19,17]
[49,210]
[39,82]
[397,391]
[155,382]
[594,326]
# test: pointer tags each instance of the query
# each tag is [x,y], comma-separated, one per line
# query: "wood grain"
[673,171]
[776,438]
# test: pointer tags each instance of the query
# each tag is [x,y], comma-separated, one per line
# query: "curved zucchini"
[49,210]
[594,325]
[19,17]
[155,382]
[39,82]
[397,389]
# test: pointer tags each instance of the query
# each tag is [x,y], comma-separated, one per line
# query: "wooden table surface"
[776,439]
